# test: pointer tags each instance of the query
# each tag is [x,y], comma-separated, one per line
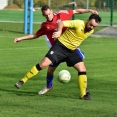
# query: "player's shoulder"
[63,12]
[79,21]
[50,25]
[45,23]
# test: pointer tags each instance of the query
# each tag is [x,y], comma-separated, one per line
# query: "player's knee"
[43,65]
[51,70]
[82,69]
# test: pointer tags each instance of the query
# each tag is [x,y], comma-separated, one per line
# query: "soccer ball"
[64,76]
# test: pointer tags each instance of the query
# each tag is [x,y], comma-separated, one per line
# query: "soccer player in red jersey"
[47,29]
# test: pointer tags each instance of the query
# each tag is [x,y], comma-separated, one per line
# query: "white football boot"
[44,90]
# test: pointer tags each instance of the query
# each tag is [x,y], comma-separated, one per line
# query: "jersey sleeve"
[47,28]
[65,14]
[40,32]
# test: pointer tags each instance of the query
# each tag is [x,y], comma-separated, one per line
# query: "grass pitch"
[63,100]
[18,16]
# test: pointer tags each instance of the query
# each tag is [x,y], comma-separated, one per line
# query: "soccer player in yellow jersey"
[65,48]
[77,31]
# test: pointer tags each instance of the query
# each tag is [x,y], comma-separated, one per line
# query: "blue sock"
[49,81]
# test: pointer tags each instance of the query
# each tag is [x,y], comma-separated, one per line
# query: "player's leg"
[53,55]
[82,57]
[33,71]
[82,80]
[59,55]
[76,61]
[49,79]
[50,74]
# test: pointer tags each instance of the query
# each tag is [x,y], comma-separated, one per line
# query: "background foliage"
[63,4]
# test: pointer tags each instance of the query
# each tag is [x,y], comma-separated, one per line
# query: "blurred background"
[13,10]
[100,5]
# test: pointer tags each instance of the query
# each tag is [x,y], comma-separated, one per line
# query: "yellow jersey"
[74,34]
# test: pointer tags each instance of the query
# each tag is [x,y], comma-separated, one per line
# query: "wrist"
[18,39]
[89,10]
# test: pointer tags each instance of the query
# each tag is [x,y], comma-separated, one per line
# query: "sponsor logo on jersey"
[59,20]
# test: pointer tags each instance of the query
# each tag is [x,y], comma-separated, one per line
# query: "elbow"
[35,36]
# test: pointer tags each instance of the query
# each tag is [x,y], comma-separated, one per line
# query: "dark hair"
[45,7]
[96,17]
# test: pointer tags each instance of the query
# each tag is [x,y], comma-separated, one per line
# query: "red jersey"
[48,27]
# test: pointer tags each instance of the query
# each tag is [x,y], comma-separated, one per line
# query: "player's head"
[47,12]
[92,22]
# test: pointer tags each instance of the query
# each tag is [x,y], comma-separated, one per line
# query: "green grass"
[19,27]
[105,16]
[63,100]
[15,27]
[18,15]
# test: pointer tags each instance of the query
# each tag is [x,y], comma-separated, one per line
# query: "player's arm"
[59,30]
[28,37]
[39,33]
[68,24]
[81,11]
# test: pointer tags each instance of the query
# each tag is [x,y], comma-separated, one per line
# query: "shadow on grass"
[69,96]
[19,92]
[6,30]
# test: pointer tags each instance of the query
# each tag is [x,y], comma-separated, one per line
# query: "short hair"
[96,17]
[45,7]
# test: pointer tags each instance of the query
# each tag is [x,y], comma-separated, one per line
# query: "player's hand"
[16,40]
[93,11]
[56,34]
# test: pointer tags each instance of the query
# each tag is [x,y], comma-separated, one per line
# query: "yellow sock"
[82,81]
[33,71]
